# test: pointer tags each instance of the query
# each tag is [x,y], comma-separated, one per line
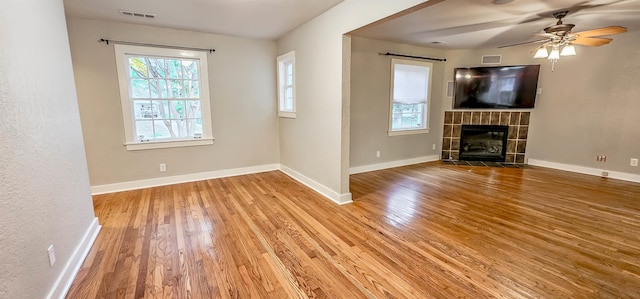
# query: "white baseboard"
[340,199]
[391,164]
[64,281]
[630,177]
[177,179]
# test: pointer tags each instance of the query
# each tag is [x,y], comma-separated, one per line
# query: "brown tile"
[448,117]
[447,131]
[511,158]
[520,158]
[515,118]
[455,141]
[455,146]
[495,118]
[524,118]
[511,146]
[485,118]
[455,155]
[445,155]
[456,131]
[475,117]
[446,144]
[466,118]
[523,131]
[513,132]
[457,117]
[521,147]
[504,118]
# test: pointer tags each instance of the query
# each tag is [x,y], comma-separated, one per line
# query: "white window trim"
[131,141]
[410,131]
[281,60]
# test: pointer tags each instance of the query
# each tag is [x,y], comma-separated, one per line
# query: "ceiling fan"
[560,36]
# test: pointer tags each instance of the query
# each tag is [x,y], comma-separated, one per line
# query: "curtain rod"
[411,56]
[107,41]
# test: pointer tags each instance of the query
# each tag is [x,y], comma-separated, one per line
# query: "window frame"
[282,61]
[426,106]
[122,52]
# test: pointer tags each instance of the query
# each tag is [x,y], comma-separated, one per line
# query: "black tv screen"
[497,87]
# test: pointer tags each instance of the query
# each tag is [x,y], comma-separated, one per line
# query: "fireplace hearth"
[483,143]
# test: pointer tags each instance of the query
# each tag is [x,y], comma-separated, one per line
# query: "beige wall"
[44,185]
[312,143]
[243,103]
[370,91]
[588,106]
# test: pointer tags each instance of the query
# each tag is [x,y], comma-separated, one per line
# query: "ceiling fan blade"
[602,31]
[591,41]
[524,43]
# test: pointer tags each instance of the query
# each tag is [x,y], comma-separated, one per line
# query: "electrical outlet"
[433,146]
[163,167]
[52,255]
[377,154]
[601,158]
[634,162]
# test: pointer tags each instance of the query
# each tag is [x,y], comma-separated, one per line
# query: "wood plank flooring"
[422,231]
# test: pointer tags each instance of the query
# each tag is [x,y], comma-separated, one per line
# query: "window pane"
[139,88]
[177,90]
[177,109]
[161,109]
[158,88]
[407,116]
[138,67]
[143,110]
[162,131]
[191,89]
[193,109]
[179,128]
[190,69]
[194,126]
[175,69]
[144,129]
[157,68]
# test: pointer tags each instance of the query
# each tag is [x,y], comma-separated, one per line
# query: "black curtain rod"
[411,56]
[107,41]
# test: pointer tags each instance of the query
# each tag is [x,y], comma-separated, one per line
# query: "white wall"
[312,144]
[44,185]
[243,103]
[370,90]
[588,107]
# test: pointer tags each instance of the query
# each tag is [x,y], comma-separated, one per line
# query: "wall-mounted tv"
[496,87]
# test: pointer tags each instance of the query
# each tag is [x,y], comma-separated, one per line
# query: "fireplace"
[483,143]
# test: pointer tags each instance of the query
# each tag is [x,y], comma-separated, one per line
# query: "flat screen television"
[496,87]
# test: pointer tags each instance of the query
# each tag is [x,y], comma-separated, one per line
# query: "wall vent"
[491,59]
[449,89]
[138,14]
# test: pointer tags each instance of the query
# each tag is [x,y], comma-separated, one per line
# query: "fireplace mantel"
[518,123]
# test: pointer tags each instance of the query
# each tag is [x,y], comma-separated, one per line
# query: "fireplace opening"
[483,143]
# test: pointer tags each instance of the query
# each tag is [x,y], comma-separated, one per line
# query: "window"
[165,97]
[409,104]
[286,85]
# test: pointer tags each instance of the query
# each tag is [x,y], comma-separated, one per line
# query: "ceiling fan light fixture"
[500,2]
[568,50]
[541,53]
[555,54]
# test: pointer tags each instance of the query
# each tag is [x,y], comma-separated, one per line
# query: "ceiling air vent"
[491,59]
[138,14]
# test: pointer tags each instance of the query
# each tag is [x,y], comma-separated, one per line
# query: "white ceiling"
[464,24]
[262,19]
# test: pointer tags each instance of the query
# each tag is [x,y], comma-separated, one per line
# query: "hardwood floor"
[422,231]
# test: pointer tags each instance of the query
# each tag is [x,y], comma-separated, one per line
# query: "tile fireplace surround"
[518,123]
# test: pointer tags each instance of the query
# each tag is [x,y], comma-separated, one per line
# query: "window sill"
[136,146]
[408,132]
[287,114]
